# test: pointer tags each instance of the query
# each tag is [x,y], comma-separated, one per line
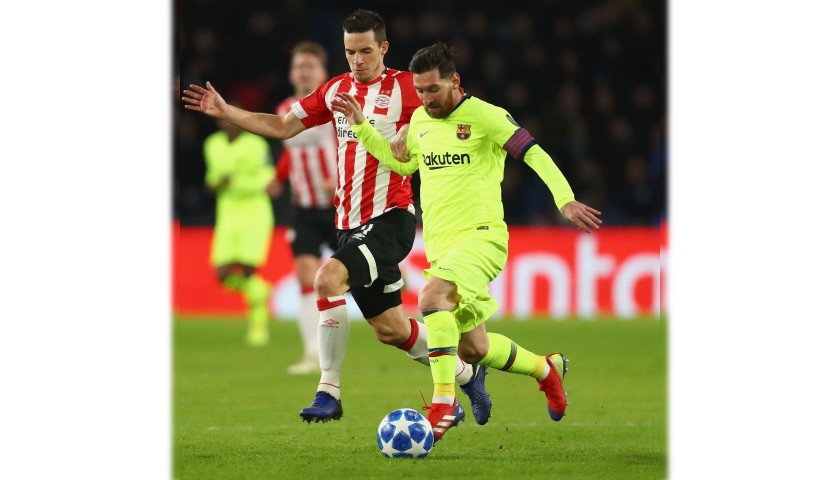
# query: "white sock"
[333,330]
[417,346]
[547,371]
[308,325]
[419,352]
[463,372]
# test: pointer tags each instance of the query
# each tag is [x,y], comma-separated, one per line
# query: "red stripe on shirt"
[349,165]
[307,176]
[326,178]
[368,187]
[282,170]
[371,163]
[385,90]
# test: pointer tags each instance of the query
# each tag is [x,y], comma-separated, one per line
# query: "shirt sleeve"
[541,162]
[313,109]
[380,148]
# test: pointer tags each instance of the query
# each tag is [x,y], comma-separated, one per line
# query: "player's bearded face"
[438,94]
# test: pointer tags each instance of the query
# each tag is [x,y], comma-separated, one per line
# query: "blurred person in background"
[239,169]
[308,162]
[374,211]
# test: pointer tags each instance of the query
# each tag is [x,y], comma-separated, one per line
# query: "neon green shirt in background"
[461,161]
[246,161]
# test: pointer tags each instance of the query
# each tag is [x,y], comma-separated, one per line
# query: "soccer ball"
[405,433]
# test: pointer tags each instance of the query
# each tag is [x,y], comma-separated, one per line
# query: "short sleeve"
[312,109]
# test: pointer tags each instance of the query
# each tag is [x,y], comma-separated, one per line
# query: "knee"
[471,353]
[223,272]
[330,280]
[435,296]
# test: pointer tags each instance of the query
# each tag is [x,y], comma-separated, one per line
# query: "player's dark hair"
[313,48]
[362,21]
[439,56]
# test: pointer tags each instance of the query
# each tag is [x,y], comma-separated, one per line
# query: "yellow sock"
[443,350]
[507,356]
[444,393]
[256,292]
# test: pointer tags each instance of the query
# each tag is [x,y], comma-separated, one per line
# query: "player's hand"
[346,104]
[205,100]
[399,145]
[328,188]
[274,188]
[582,216]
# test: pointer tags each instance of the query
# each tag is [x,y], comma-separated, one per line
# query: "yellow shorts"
[471,264]
[241,240]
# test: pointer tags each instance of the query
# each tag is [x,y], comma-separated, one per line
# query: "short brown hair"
[316,49]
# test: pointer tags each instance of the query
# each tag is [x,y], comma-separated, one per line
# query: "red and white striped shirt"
[366,188]
[308,162]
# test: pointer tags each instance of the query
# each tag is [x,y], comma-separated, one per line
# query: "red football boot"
[552,386]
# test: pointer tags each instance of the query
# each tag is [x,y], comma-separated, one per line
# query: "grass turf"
[235,410]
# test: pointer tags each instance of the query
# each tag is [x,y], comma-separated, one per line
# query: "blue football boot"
[323,409]
[479,398]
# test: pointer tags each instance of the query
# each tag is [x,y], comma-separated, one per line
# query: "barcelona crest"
[463,132]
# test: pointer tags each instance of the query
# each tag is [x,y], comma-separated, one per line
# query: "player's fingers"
[198,88]
[350,99]
[191,101]
[589,222]
[191,107]
[592,210]
[591,215]
[344,97]
[210,87]
[190,93]
[340,106]
[582,226]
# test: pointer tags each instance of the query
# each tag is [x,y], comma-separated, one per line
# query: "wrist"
[563,201]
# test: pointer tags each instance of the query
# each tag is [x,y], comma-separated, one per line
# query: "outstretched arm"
[580,215]
[373,142]
[208,101]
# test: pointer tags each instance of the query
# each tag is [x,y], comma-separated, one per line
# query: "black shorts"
[312,229]
[372,253]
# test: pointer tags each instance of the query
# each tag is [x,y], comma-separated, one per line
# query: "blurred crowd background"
[587,78]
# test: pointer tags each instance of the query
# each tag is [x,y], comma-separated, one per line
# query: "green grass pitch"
[235,410]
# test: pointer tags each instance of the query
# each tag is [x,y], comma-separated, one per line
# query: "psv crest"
[463,132]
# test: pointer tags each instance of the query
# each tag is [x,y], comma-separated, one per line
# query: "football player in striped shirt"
[374,210]
[308,163]
[459,144]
